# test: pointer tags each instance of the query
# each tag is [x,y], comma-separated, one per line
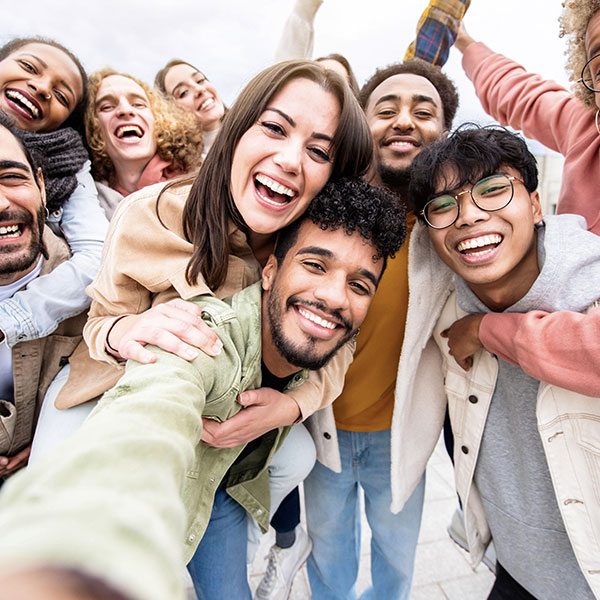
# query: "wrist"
[113,337]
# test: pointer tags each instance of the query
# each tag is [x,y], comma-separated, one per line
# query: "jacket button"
[259,512]
[327,436]
[473,399]
[464,449]
[191,538]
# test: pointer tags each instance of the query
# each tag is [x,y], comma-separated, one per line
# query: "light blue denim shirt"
[36,311]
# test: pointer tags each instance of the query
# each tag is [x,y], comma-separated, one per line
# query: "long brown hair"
[210,207]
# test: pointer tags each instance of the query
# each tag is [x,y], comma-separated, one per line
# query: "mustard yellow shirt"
[367,401]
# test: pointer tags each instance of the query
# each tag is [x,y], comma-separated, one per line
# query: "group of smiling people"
[486,315]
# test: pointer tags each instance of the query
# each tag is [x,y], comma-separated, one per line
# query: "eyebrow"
[319,251]
[415,98]
[314,134]
[45,65]
[13,164]
[111,96]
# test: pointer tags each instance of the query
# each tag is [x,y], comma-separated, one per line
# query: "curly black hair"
[416,66]
[355,205]
[471,152]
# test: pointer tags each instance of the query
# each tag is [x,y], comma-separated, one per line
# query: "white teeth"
[316,319]
[484,240]
[10,231]
[18,96]
[121,131]
[274,186]
[207,103]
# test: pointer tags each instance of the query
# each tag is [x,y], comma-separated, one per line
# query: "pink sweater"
[561,348]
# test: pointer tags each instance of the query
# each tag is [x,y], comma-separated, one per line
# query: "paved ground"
[442,571]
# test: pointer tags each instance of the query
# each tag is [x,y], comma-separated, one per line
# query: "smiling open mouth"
[24,104]
[128,131]
[316,318]
[207,103]
[479,246]
[273,193]
[11,231]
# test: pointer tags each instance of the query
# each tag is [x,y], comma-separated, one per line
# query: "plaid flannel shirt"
[437,30]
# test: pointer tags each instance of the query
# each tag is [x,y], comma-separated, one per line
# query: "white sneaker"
[283,565]
[457,533]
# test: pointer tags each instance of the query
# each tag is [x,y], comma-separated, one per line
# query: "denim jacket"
[36,362]
[36,312]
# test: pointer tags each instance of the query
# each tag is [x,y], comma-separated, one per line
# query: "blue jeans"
[333,519]
[218,567]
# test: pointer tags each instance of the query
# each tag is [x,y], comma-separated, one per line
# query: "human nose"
[289,157]
[41,87]
[4,201]
[469,213]
[403,120]
[124,107]
[333,291]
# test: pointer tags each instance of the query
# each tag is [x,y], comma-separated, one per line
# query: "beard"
[307,355]
[396,180]
[14,258]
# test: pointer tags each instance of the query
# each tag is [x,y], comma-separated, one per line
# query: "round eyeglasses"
[490,194]
[590,74]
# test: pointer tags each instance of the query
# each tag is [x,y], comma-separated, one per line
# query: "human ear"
[269,272]
[536,207]
[39,177]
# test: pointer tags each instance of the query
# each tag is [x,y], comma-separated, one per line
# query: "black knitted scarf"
[62,154]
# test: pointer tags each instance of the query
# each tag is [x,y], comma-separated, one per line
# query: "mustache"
[23,216]
[322,307]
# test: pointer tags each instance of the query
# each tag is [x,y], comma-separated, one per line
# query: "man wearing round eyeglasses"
[523,466]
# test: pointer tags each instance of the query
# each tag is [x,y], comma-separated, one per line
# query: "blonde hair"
[178,135]
[574,22]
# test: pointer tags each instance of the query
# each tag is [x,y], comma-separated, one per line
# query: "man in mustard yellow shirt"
[408,106]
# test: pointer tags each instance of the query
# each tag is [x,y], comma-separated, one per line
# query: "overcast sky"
[231,40]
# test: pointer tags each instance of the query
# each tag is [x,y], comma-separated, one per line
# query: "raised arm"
[436,30]
[542,109]
[35,312]
[297,38]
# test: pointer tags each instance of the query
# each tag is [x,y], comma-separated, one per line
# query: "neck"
[128,173]
[275,363]
[262,245]
[508,290]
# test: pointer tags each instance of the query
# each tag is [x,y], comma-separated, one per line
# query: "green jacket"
[120,496]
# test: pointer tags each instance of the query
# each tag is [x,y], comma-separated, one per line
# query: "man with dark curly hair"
[408,106]
[135,476]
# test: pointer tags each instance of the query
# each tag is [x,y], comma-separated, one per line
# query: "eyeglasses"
[490,194]
[590,74]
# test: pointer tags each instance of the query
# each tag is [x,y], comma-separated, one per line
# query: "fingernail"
[191,354]
[4,461]
[217,347]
